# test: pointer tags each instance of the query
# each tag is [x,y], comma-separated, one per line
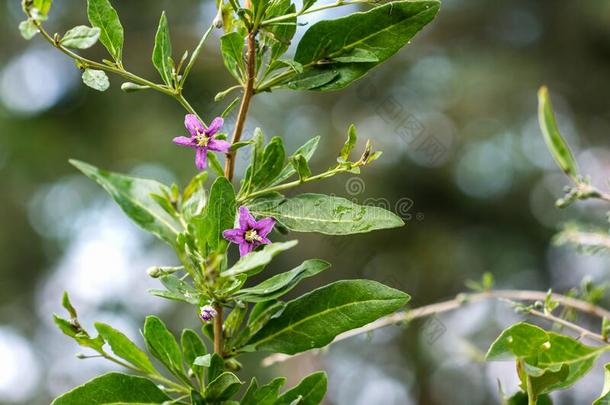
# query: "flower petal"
[215,126]
[200,158]
[264,241]
[245,248]
[264,226]
[218,145]
[192,123]
[184,141]
[246,220]
[234,235]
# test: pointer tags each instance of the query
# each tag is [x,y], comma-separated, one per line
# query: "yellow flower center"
[202,139]
[252,236]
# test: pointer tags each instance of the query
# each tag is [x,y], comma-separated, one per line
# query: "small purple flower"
[202,139]
[207,313]
[251,233]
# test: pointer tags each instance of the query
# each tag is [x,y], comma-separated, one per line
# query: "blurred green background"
[464,165]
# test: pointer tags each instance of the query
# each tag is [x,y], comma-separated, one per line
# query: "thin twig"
[245,103]
[460,300]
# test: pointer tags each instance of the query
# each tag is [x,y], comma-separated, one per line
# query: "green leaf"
[604,398]
[307,151]
[519,340]
[40,9]
[162,344]
[280,284]
[248,398]
[349,144]
[308,3]
[232,48]
[218,215]
[557,145]
[380,32]
[325,214]
[65,302]
[102,15]
[271,165]
[182,288]
[114,388]
[217,366]
[256,158]
[553,361]
[565,350]
[357,55]
[28,29]
[311,391]
[134,197]
[254,262]
[520,398]
[266,394]
[81,37]
[192,349]
[203,361]
[96,79]
[300,165]
[162,52]
[74,330]
[315,319]
[261,313]
[222,387]
[125,348]
[280,35]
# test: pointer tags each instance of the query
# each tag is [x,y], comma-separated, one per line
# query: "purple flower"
[202,139]
[207,313]
[251,233]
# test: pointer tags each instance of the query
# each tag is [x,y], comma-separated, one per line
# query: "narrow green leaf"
[81,37]
[307,151]
[329,215]
[181,287]
[217,366]
[280,284]
[300,165]
[70,329]
[65,302]
[222,387]
[218,215]
[254,262]
[381,32]
[311,391]
[279,37]
[28,29]
[162,52]
[133,196]
[114,388]
[96,79]
[162,344]
[232,48]
[315,319]
[266,394]
[557,145]
[271,164]
[101,14]
[215,164]
[125,348]
[193,349]
[349,144]
[203,361]
[248,398]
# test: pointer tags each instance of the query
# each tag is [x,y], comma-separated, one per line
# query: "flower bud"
[207,313]
[156,271]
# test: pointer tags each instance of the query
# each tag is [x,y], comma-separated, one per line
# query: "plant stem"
[291,184]
[245,103]
[119,70]
[460,300]
[218,332]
